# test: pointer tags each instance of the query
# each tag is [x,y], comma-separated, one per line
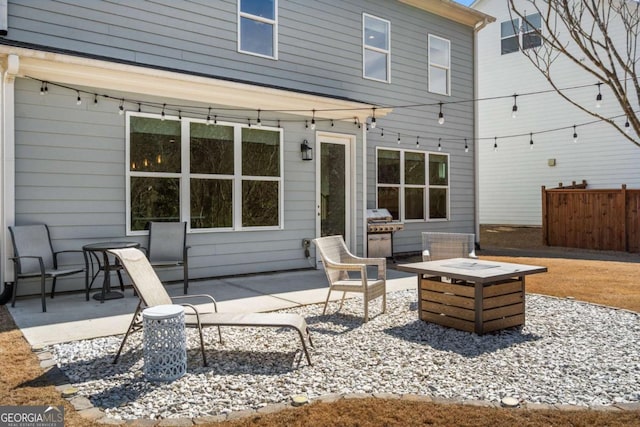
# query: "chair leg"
[366,308]
[204,357]
[186,276]
[42,291]
[14,293]
[344,294]
[126,335]
[326,302]
[53,287]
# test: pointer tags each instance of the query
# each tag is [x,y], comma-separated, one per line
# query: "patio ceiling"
[80,71]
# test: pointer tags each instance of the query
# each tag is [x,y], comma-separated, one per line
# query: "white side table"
[165,342]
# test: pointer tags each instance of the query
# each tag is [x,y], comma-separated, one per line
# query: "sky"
[465,2]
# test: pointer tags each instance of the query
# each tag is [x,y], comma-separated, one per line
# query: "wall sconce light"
[306,150]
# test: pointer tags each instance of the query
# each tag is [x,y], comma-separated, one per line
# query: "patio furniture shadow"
[452,340]
[349,322]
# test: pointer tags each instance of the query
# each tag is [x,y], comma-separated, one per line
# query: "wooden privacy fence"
[591,219]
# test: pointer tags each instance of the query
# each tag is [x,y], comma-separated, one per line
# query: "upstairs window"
[258,27]
[513,35]
[439,65]
[376,56]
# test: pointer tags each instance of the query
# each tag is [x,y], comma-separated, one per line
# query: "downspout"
[476,160]
[7,171]
[364,190]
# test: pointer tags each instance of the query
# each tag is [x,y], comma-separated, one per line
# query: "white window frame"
[440,66]
[185,176]
[520,34]
[427,187]
[365,47]
[273,22]
[515,23]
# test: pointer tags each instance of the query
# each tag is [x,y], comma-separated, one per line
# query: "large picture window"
[258,27]
[439,65]
[376,56]
[413,185]
[216,177]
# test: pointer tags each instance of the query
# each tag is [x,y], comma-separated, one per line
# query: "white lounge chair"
[151,292]
[338,262]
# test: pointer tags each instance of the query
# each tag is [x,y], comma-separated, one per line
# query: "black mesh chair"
[34,257]
[167,247]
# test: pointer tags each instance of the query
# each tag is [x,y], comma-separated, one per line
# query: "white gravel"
[568,353]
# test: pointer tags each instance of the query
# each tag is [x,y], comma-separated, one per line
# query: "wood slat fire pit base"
[470,307]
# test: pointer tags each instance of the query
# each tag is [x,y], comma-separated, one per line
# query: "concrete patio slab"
[70,317]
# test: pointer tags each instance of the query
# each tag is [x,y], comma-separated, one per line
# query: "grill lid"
[379,215]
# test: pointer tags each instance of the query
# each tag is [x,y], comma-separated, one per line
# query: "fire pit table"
[472,295]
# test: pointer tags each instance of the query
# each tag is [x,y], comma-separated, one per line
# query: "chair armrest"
[209,297]
[39,258]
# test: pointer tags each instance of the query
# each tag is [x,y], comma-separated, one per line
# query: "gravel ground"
[569,352]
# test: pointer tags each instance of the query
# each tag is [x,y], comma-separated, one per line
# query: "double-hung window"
[413,185]
[439,65]
[376,48]
[258,27]
[216,177]
[511,31]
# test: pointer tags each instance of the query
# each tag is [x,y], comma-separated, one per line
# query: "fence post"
[545,239]
[624,217]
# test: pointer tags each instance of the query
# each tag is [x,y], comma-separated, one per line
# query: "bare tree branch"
[582,32]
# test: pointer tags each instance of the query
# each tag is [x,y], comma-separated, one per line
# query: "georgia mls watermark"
[31,416]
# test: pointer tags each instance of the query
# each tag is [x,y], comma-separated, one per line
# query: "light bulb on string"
[44,89]
[495,144]
[139,107]
[78,100]
[575,134]
[398,138]
[121,108]
[382,132]
[373,118]
[514,109]
[466,146]
[249,121]
[531,141]
[306,124]
[417,141]
[279,124]
[215,120]
[313,120]
[258,121]
[332,124]
[441,115]
[162,116]
[179,115]
[627,126]
[599,96]
[439,144]
[208,122]
[95,98]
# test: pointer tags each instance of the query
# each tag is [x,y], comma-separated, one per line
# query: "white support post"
[7,163]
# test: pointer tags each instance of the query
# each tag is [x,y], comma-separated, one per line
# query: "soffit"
[451,10]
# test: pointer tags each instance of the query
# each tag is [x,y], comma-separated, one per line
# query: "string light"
[279,124]
[208,122]
[44,89]
[382,132]
[627,126]
[495,144]
[162,113]
[531,141]
[95,98]
[398,138]
[215,119]
[599,96]
[439,144]
[249,121]
[373,118]
[466,146]
[332,123]
[258,121]
[78,100]
[417,142]
[313,120]
[440,116]
[139,107]
[575,134]
[179,115]
[121,108]
[514,109]
[306,124]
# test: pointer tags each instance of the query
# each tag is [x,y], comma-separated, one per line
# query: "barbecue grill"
[380,229]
